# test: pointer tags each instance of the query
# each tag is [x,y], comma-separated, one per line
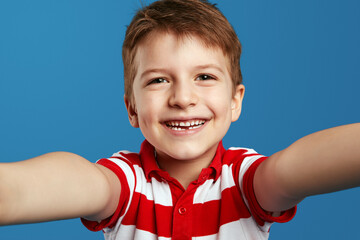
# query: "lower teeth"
[183,129]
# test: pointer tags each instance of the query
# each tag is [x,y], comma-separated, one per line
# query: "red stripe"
[231,156]
[142,214]
[209,216]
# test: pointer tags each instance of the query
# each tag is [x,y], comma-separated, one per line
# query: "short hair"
[182,18]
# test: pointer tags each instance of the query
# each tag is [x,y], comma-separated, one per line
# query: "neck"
[184,171]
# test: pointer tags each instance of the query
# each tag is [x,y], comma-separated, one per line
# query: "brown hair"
[183,18]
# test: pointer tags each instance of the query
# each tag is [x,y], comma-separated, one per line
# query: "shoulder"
[124,164]
[238,155]
[241,162]
[120,158]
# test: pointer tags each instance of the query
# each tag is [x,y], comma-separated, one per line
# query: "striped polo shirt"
[219,205]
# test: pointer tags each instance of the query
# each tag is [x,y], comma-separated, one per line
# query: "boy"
[183,89]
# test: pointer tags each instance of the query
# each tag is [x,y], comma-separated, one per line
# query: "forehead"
[167,50]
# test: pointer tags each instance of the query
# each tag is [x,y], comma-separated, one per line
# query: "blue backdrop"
[61,89]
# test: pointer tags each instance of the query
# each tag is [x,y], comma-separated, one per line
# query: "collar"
[151,168]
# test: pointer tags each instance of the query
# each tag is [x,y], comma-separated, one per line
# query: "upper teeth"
[185,124]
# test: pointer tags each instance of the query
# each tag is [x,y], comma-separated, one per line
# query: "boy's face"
[183,98]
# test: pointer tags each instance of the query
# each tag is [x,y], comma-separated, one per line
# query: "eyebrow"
[152,70]
[198,67]
[205,66]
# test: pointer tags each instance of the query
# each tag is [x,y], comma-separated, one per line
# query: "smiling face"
[183,97]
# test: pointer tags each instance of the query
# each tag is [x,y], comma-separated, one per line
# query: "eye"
[204,77]
[157,81]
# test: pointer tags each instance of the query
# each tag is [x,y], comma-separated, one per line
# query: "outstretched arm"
[321,162]
[56,186]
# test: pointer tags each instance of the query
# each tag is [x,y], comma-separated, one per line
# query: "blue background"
[61,89]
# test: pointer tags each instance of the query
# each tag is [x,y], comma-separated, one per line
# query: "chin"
[184,156]
[186,152]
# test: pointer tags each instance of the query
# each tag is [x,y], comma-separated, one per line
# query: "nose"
[183,95]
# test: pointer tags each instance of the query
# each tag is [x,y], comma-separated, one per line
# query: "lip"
[184,118]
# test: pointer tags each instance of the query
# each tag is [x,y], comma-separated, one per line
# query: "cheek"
[148,108]
[220,103]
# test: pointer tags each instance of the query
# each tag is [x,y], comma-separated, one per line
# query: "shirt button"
[182,210]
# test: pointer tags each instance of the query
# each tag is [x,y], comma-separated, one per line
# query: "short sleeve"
[246,182]
[125,173]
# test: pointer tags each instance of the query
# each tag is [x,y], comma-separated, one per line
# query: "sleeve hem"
[257,211]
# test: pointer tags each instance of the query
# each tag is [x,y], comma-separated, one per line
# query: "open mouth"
[184,125]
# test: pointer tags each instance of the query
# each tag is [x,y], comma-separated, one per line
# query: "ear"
[132,114]
[236,102]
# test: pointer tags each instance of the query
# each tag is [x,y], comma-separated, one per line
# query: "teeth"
[195,127]
[177,125]
[184,124]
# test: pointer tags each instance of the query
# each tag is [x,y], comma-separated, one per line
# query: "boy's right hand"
[55,186]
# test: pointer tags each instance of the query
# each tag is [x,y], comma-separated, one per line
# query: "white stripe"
[245,228]
[129,232]
[142,186]
[211,190]
[247,162]
[227,178]
[208,237]
[248,150]
[208,191]
[127,171]
[162,192]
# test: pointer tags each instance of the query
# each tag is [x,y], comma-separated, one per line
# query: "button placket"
[183,214]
